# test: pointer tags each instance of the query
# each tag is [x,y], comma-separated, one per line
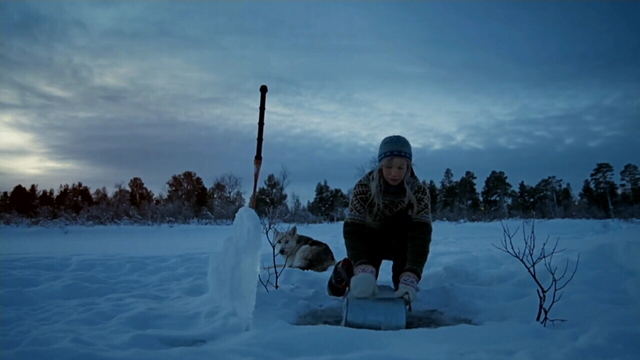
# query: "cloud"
[24,155]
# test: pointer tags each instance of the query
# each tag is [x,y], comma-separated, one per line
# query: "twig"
[270,225]
[548,295]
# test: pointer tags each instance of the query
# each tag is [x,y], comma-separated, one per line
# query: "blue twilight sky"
[101,92]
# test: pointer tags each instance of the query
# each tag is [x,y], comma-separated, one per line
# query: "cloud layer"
[102,92]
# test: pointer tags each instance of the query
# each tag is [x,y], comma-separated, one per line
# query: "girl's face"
[394,170]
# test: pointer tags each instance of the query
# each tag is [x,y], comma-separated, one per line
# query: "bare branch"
[549,295]
[271,227]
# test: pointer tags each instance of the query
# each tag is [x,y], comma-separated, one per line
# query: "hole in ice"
[433,319]
[177,342]
[320,316]
[415,319]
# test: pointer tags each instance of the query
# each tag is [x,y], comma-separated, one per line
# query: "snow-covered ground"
[143,293]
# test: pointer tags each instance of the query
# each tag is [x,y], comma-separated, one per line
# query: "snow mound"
[233,274]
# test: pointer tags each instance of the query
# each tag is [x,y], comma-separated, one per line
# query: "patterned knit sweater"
[363,220]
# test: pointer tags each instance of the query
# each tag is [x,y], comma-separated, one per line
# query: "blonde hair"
[377,187]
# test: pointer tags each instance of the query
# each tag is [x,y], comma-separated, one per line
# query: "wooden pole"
[257,161]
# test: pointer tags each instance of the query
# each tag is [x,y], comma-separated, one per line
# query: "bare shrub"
[531,258]
[271,227]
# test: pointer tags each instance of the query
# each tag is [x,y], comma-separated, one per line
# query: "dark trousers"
[390,243]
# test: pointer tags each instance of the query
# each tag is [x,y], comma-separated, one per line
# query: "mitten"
[363,282]
[408,286]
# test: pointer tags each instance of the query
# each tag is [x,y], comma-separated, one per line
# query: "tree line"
[188,200]
[600,197]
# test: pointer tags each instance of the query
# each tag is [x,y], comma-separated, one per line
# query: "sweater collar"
[393,189]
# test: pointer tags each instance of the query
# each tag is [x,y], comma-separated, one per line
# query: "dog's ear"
[293,231]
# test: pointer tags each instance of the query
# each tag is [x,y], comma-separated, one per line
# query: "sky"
[101,92]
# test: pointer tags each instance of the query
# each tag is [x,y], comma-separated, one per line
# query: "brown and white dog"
[303,252]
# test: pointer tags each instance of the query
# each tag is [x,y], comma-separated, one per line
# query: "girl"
[389,219]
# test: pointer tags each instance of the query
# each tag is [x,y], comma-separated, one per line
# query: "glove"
[407,287]
[363,282]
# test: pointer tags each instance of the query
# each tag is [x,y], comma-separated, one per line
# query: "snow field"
[143,293]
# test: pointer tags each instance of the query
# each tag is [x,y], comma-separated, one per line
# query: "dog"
[302,252]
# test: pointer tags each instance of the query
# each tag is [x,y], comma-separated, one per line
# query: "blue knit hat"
[395,145]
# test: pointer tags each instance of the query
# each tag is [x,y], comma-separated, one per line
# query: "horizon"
[479,182]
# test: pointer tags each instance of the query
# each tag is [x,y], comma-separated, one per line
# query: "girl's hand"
[363,282]
[408,286]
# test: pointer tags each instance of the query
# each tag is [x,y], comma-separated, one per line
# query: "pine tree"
[46,199]
[567,201]
[525,200]
[467,196]
[21,201]
[339,203]
[447,196]
[71,200]
[604,188]
[433,193]
[321,204]
[587,199]
[496,195]
[120,205]
[630,184]
[139,195]
[548,196]
[188,189]
[4,203]
[328,204]
[272,198]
